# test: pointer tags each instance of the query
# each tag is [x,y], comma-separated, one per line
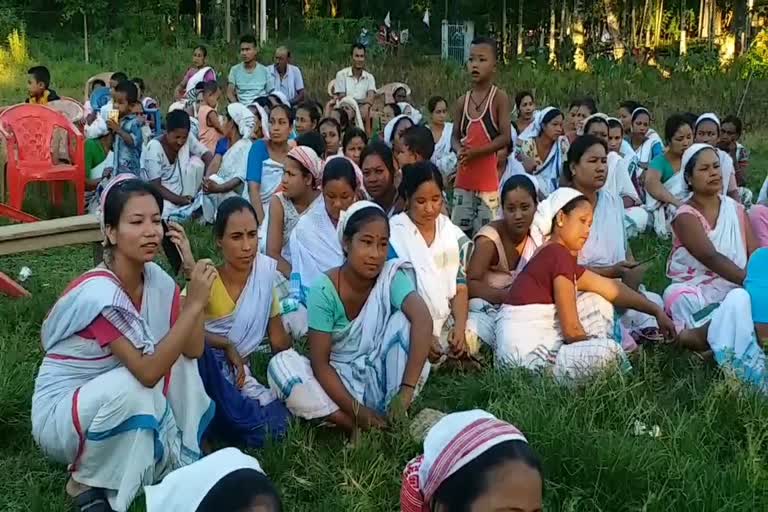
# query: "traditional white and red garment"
[454,441]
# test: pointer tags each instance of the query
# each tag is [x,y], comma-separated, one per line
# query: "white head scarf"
[243,118]
[350,102]
[454,441]
[708,117]
[548,208]
[640,110]
[534,129]
[415,115]
[693,151]
[597,115]
[389,130]
[185,488]
[263,117]
[347,214]
[280,95]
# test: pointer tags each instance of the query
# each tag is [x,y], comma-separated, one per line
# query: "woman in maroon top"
[547,321]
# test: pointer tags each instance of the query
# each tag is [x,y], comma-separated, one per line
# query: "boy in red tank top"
[484,128]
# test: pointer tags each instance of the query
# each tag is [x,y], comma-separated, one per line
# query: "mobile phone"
[171,251]
[646,260]
[114,115]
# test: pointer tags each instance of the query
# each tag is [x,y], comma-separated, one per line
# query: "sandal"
[648,336]
[92,500]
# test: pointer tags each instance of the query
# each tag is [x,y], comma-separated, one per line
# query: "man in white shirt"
[355,81]
[287,77]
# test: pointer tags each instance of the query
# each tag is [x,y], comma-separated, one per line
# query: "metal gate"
[456,40]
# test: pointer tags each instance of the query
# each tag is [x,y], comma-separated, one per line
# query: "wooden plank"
[49,241]
[45,228]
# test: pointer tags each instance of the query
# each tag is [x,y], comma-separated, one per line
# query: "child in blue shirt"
[127,130]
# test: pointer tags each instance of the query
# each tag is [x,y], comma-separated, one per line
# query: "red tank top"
[480,174]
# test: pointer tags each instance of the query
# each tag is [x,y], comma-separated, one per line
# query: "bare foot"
[75,488]
[694,339]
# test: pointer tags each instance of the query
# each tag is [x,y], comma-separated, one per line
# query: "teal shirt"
[326,311]
[250,85]
[663,166]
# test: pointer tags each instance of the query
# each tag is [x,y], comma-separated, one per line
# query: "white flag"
[388,21]
[426,17]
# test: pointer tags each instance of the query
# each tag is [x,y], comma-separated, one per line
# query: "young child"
[126,129]
[416,145]
[484,128]
[38,86]
[208,118]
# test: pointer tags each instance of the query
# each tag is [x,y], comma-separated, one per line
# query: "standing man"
[355,81]
[287,77]
[249,79]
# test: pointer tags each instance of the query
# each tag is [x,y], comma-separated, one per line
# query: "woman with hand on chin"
[369,333]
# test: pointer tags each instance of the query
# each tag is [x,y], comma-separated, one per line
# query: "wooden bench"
[47,234]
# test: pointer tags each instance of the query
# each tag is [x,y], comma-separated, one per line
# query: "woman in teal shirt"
[369,334]
[663,180]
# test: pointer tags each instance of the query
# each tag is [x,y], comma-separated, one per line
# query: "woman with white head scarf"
[644,140]
[227,480]
[707,131]
[712,240]
[469,460]
[230,178]
[350,106]
[542,150]
[369,333]
[663,180]
[545,324]
[708,269]
[395,128]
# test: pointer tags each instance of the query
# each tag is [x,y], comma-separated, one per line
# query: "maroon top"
[536,283]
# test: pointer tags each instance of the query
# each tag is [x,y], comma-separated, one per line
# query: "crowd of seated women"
[343,237]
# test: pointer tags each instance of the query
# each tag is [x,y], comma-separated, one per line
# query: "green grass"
[712,455]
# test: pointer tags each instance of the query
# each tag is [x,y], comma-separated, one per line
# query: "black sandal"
[92,500]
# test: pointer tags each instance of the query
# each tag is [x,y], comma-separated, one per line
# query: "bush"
[337,30]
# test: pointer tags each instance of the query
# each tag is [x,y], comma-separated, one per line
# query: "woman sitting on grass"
[242,310]
[394,131]
[227,480]
[266,161]
[307,118]
[330,129]
[369,334]
[300,191]
[707,131]
[502,249]
[104,400]
[379,175]
[174,159]
[550,319]
[437,249]
[200,71]
[606,251]
[543,148]
[230,178]
[708,268]
[353,144]
[663,180]
[644,140]
[525,105]
[443,157]
[314,248]
[473,462]
[712,241]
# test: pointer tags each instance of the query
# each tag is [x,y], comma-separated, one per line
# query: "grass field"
[712,454]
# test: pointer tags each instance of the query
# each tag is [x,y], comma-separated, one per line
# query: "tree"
[577,34]
[552,32]
[520,34]
[614,29]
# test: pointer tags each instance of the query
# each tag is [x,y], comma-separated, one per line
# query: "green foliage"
[336,30]
[757,56]
[9,21]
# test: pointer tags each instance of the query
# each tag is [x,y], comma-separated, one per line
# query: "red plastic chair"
[28,130]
